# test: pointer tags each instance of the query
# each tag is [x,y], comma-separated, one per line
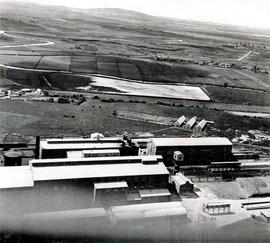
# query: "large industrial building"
[59,148]
[196,151]
[84,181]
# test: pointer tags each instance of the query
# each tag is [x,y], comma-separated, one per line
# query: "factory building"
[53,183]
[59,148]
[196,151]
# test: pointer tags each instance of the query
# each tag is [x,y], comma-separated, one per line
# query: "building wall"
[68,194]
[62,153]
[194,155]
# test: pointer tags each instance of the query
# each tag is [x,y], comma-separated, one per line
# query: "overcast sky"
[253,13]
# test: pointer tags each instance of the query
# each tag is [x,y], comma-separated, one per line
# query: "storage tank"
[13,158]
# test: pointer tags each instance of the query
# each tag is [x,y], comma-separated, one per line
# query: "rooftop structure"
[97,171]
[204,141]
[26,176]
[58,148]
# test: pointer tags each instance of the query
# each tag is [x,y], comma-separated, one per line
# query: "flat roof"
[95,159]
[205,141]
[76,139]
[210,205]
[101,151]
[108,185]
[154,193]
[81,146]
[15,177]
[97,171]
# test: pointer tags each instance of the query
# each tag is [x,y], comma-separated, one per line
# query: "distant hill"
[118,13]
[43,11]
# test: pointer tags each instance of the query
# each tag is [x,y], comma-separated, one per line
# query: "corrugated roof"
[97,171]
[205,141]
[15,177]
[108,185]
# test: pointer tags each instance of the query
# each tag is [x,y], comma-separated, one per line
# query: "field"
[144,48]
[42,46]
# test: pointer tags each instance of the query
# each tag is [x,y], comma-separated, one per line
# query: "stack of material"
[139,213]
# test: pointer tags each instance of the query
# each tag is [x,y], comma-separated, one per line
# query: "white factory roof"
[204,141]
[81,146]
[95,159]
[96,171]
[109,185]
[16,176]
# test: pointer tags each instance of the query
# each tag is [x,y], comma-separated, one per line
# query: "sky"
[252,13]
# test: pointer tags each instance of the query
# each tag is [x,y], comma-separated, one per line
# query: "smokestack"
[37,147]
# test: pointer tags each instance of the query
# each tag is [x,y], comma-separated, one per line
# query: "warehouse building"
[56,183]
[196,151]
[59,148]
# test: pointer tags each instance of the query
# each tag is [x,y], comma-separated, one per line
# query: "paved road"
[46,43]
[245,56]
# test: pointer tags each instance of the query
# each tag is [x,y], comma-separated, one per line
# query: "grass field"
[143,48]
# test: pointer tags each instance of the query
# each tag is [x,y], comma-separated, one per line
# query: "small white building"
[201,125]
[180,121]
[191,123]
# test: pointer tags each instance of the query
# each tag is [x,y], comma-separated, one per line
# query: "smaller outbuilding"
[182,184]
